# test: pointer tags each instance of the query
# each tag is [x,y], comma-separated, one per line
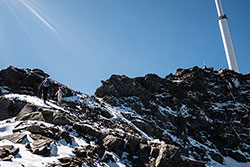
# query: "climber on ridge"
[59,94]
[44,88]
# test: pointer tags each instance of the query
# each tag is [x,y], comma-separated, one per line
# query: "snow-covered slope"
[197,117]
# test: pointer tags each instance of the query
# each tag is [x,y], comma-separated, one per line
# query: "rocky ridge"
[196,117]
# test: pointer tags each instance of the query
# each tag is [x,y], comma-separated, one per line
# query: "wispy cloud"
[38,15]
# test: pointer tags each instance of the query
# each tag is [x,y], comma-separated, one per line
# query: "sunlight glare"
[37,15]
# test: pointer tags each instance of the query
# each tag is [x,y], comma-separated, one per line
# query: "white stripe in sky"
[37,15]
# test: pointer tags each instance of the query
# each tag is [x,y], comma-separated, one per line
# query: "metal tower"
[226,37]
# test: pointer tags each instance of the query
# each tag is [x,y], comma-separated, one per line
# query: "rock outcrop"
[192,118]
[202,105]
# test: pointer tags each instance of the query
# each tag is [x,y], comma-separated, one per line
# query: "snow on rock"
[32,100]
[191,118]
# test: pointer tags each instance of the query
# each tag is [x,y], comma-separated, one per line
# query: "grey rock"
[114,144]
[15,138]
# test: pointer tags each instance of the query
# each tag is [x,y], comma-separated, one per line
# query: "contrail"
[37,15]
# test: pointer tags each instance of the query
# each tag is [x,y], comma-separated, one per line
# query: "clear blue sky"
[81,42]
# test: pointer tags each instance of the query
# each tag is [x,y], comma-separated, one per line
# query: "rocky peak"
[203,105]
[26,81]
[196,117]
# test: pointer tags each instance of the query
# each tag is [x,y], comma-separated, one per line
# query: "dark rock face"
[186,119]
[17,78]
[7,151]
[206,105]
[10,108]
[115,144]
[41,145]
[118,86]
[26,81]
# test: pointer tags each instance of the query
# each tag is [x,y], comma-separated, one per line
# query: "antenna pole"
[226,38]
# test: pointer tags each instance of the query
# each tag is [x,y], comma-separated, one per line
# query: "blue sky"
[81,42]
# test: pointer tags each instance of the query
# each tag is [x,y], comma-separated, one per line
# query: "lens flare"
[37,15]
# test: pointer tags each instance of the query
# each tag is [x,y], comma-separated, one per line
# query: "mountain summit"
[194,118]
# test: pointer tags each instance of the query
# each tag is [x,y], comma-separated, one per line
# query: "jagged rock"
[106,114]
[9,108]
[144,153]
[8,158]
[106,89]
[80,152]
[132,145]
[48,115]
[68,162]
[30,112]
[17,78]
[4,153]
[51,132]
[12,76]
[37,130]
[26,81]
[111,100]
[108,158]
[188,162]
[89,152]
[66,137]
[83,129]
[152,82]
[114,144]
[196,102]
[15,138]
[147,128]
[168,154]
[217,157]
[27,145]
[192,110]
[65,160]
[99,150]
[62,119]
[7,152]
[41,145]
[119,86]
[237,156]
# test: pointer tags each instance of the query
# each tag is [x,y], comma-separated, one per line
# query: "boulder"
[10,108]
[22,80]
[32,112]
[8,158]
[237,156]
[148,127]
[85,129]
[12,76]
[7,152]
[168,154]
[144,153]
[60,118]
[4,153]
[15,138]
[89,151]
[152,82]
[132,145]
[69,162]
[217,157]
[114,144]
[29,112]
[41,145]
[188,162]
[118,86]
[67,137]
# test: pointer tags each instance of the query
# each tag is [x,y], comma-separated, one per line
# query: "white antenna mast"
[226,37]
